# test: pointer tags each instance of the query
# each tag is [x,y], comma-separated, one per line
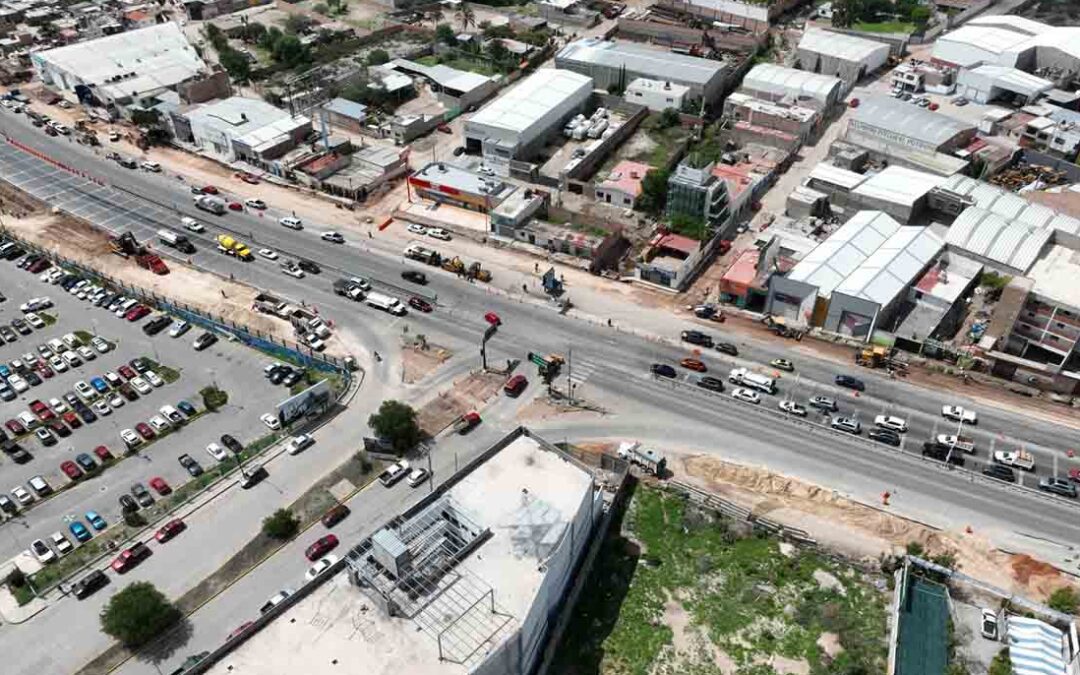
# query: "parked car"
[321,547]
[170,530]
[88,585]
[189,463]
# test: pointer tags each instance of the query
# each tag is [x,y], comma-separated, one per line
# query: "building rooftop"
[830,263]
[907,120]
[1014,80]
[1063,38]
[780,80]
[648,84]
[626,177]
[1011,206]
[675,242]
[656,63]
[346,108]
[1011,22]
[451,176]
[792,112]
[835,175]
[143,59]
[251,121]
[1055,274]
[446,77]
[839,45]
[526,104]
[993,39]
[893,266]
[1010,243]
[898,185]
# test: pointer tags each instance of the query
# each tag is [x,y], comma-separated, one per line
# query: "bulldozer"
[477,272]
[454,265]
[878,356]
[778,325]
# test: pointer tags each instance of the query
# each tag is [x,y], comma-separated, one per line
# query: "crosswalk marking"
[579,370]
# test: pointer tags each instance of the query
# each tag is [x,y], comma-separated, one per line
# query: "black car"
[32,378]
[128,392]
[696,337]
[157,324]
[850,382]
[1000,471]
[140,365]
[14,253]
[189,463]
[292,377]
[127,504]
[662,370]
[205,340]
[59,428]
[711,383]
[232,444]
[89,584]
[884,436]
[86,414]
[278,375]
[414,276]
[727,348]
[7,393]
[308,266]
[142,495]
[21,326]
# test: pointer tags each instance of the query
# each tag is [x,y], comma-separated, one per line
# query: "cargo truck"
[348,289]
[385,303]
[1021,459]
[176,240]
[215,205]
[650,461]
[746,378]
[270,304]
[230,246]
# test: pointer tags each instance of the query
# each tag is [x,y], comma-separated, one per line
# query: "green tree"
[444,33]
[1002,664]
[396,422]
[497,51]
[653,192]
[296,24]
[252,32]
[138,614]
[377,57]
[290,52]
[846,12]
[920,16]
[1064,600]
[281,525]
[236,64]
[465,16]
[668,118]
[215,37]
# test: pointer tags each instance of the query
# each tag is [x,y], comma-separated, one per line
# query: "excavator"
[126,246]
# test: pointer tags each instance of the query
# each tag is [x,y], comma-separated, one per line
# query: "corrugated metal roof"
[347,108]
[893,266]
[898,185]
[791,81]
[526,104]
[903,118]
[1011,206]
[1006,242]
[654,63]
[842,253]
[841,46]
[1035,647]
[990,38]
[1064,38]
[834,175]
[1014,80]
[1012,22]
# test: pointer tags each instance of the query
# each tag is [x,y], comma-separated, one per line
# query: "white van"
[71,341]
[57,346]
[385,303]
[192,225]
[153,167]
[29,421]
[292,223]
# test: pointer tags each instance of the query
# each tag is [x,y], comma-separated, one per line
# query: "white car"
[958,414]
[416,228]
[179,327]
[847,424]
[334,237]
[58,364]
[58,406]
[102,408]
[297,444]
[793,408]
[86,353]
[897,424]
[43,553]
[320,566]
[34,320]
[100,345]
[47,275]
[268,254]
[117,401]
[63,546]
[73,359]
[314,342]
[141,385]
[17,383]
[257,204]
[989,624]
[292,223]
[292,270]
[159,423]
[35,304]
[270,421]
[153,378]
[361,283]
[744,394]
[417,476]
[131,439]
[192,225]
[22,495]
[439,233]
[113,379]
[84,390]
[217,452]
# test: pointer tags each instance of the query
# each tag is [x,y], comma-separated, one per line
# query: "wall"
[841,306]
[668,34]
[216,85]
[588,164]
[754,18]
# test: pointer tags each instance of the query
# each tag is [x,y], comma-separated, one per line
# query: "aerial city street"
[560,336]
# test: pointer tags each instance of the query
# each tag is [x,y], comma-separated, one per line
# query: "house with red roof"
[623,184]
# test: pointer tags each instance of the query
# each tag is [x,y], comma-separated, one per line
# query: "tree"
[290,52]
[296,24]
[236,64]
[377,57]
[653,192]
[498,51]
[138,614]
[252,32]
[444,33]
[668,118]
[281,525]
[1064,600]
[1002,664]
[466,16]
[920,16]
[846,12]
[396,422]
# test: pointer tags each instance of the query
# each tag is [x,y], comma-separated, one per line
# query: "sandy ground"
[861,531]
[466,394]
[418,363]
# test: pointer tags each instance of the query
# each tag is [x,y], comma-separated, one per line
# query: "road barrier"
[739,512]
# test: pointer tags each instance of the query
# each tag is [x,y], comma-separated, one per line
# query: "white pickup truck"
[1021,459]
[959,414]
[958,442]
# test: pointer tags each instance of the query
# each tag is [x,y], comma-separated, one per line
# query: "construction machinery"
[878,356]
[778,325]
[126,246]
[233,247]
[454,265]
[477,272]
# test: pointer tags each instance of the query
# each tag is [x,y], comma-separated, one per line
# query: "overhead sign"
[491,330]
[538,360]
[309,402]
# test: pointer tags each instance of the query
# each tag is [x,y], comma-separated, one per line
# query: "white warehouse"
[517,124]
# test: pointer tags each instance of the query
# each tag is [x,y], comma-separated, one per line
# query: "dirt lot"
[419,362]
[465,394]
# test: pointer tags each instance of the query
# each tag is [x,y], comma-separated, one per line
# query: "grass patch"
[741,594]
[213,398]
[84,336]
[166,373]
[81,556]
[48,319]
[21,593]
[429,60]
[885,27]
[666,140]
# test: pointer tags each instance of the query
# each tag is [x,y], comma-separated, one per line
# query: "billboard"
[308,403]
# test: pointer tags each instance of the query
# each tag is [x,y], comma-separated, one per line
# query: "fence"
[739,512]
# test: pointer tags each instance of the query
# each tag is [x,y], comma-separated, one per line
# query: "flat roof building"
[909,135]
[656,95]
[848,57]
[771,82]
[611,63]
[517,124]
[898,191]
[241,128]
[449,184]
[991,82]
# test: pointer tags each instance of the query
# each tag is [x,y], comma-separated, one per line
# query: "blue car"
[79,531]
[100,385]
[186,408]
[97,521]
[86,462]
[4,371]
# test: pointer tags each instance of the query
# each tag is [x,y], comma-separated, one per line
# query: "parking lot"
[92,393]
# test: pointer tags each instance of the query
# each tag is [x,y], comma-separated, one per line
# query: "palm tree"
[466,16]
[436,15]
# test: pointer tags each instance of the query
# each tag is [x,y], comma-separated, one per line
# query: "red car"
[72,419]
[321,547]
[42,411]
[693,364]
[127,372]
[103,453]
[159,484]
[236,206]
[239,631]
[515,385]
[144,430]
[420,304]
[15,427]
[170,530]
[248,177]
[209,190]
[137,312]
[130,557]
[71,470]
[445,128]
[43,369]
[493,319]
[1074,475]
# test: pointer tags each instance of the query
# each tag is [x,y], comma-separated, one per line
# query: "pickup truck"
[957,442]
[394,473]
[348,289]
[959,414]
[466,422]
[1021,459]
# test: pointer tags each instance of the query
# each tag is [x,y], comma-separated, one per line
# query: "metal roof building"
[909,135]
[897,190]
[973,45]
[618,63]
[845,56]
[828,265]
[1058,47]
[991,81]
[1011,22]
[771,82]
[997,240]
[239,127]
[517,123]
[1065,229]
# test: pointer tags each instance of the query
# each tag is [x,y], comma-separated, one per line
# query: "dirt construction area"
[467,393]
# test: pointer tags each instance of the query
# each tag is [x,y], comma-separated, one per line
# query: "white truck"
[1021,459]
[385,303]
[752,380]
[176,240]
[963,443]
[215,205]
[650,461]
[959,414]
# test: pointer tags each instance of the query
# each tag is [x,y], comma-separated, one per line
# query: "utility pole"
[569,373]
